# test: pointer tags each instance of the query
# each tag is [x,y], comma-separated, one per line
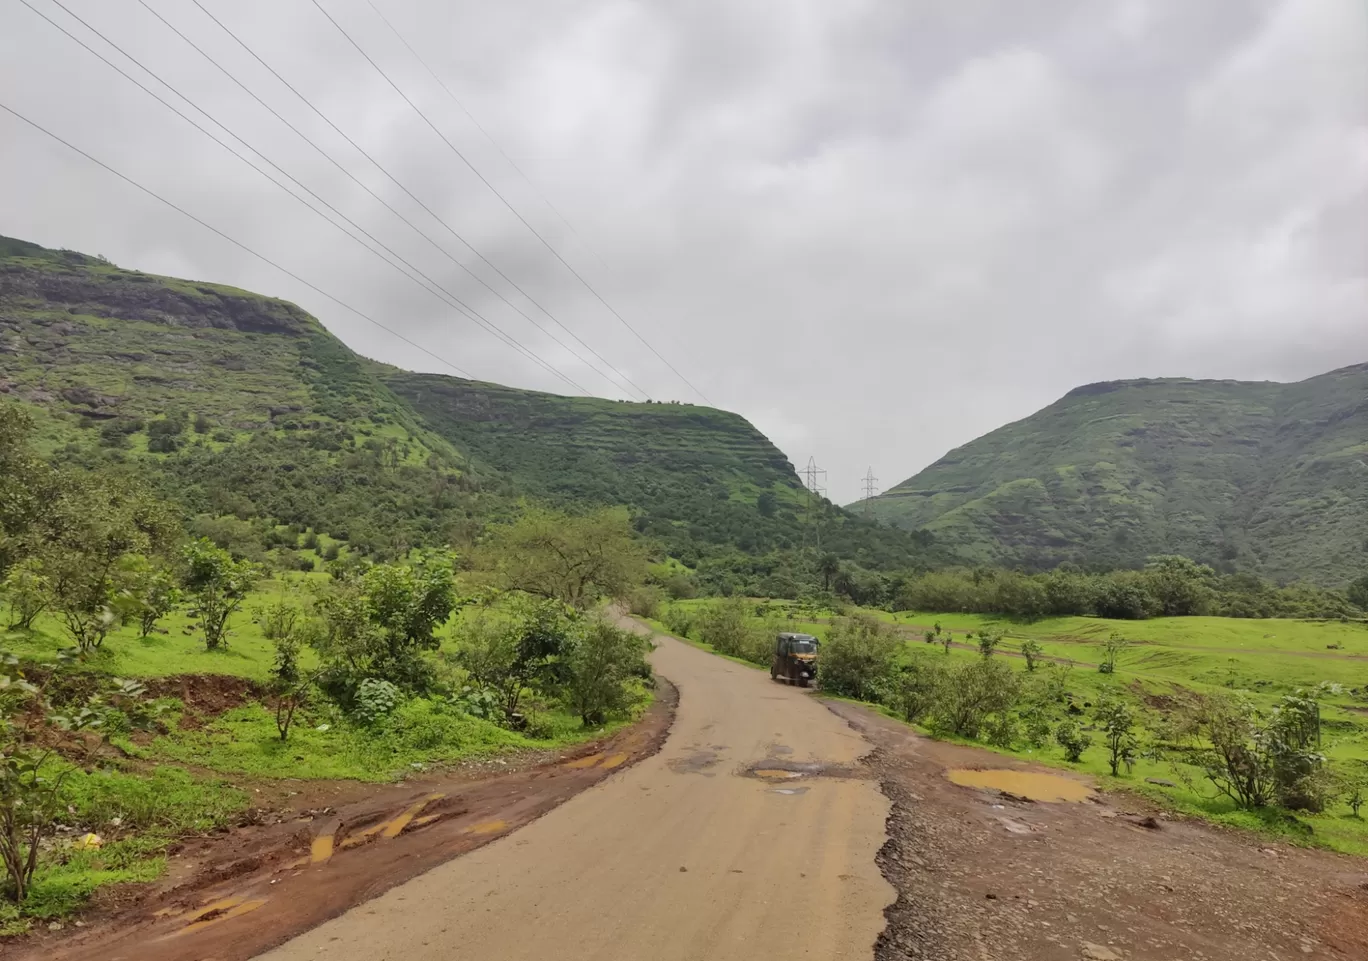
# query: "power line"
[541,195]
[630,384]
[237,243]
[226,72]
[545,243]
[446,296]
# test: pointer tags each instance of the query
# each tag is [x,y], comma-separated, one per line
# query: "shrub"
[375,699]
[988,641]
[970,692]
[1036,725]
[381,624]
[725,626]
[678,620]
[912,688]
[1111,650]
[857,658]
[1000,730]
[601,662]
[514,647]
[1032,652]
[645,600]
[1071,738]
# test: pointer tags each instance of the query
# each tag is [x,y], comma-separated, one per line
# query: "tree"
[31,779]
[1122,599]
[94,526]
[1032,652]
[767,503]
[1358,593]
[380,624]
[513,648]
[600,662]
[1181,587]
[829,566]
[988,641]
[147,592]
[219,584]
[281,623]
[1117,723]
[27,593]
[572,558]
[25,484]
[1111,650]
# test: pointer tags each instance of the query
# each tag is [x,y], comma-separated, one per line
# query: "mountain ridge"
[1263,476]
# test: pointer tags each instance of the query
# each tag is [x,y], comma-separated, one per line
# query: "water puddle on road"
[1025,784]
[774,774]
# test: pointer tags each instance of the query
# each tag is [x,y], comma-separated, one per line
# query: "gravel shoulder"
[980,875]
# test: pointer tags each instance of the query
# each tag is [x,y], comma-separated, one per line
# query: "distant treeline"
[1168,585]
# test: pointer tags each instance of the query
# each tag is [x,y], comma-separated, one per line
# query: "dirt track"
[684,856]
[329,846]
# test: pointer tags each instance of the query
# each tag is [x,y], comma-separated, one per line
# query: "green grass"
[177,646]
[244,741]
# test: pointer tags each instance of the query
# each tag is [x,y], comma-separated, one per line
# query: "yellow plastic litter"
[90,841]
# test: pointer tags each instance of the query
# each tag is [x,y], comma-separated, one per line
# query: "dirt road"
[753,833]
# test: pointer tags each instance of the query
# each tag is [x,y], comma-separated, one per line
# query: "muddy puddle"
[1031,785]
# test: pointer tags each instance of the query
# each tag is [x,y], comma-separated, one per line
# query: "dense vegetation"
[1167,586]
[1260,478]
[364,671]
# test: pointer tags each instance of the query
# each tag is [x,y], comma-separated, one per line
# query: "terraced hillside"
[1265,477]
[697,476]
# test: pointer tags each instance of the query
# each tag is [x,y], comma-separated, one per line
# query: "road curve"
[686,855]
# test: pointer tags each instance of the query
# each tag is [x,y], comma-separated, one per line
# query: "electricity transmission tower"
[870,489]
[814,479]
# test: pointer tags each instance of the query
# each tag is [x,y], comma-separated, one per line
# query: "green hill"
[699,479]
[1262,477]
[245,407]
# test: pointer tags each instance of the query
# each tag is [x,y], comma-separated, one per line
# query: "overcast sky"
[876,228]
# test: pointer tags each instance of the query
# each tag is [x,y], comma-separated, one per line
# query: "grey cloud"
[876,228]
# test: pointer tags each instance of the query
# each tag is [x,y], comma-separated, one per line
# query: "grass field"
[1166,659]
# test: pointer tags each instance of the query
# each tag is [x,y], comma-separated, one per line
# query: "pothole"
[782,769]
[1029,785]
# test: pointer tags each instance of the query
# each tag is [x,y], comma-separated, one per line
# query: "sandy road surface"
[684,856]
